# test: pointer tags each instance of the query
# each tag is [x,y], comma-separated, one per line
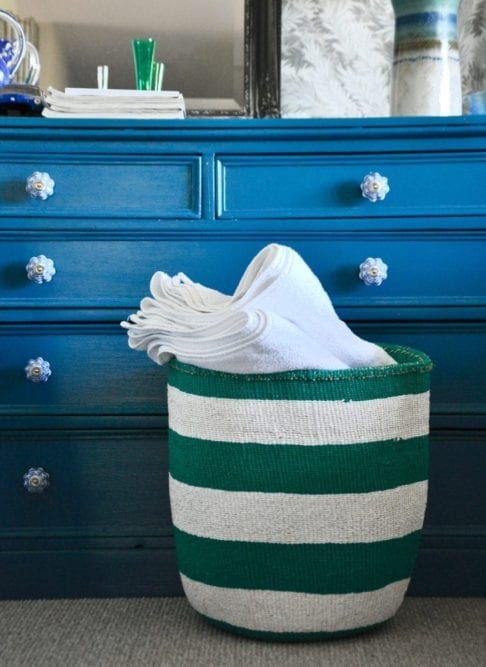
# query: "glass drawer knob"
[40,269]
[40,185]
[38,370]
[373,271]
[36,480]
[374,186]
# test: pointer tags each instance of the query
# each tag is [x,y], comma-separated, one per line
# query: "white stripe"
[298,422]
[281,611]
[290,518]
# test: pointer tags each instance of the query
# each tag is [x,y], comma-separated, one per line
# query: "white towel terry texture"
[279,318]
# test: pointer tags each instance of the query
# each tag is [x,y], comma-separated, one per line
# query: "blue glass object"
[476,102]
[11,52]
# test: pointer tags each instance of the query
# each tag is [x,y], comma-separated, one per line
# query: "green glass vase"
[143,56]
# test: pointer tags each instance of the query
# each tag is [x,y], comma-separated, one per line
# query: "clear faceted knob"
[40,185]
[38,370]
[36,480]
[375,186]
[373,271]
[40,269]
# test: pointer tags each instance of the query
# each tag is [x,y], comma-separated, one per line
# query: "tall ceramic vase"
[426,73]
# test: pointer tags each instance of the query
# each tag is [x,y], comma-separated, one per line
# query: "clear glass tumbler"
[157,76]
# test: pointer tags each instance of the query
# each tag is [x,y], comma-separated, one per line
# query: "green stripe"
[289,636]
[372,466]
[304,568]
[410,376]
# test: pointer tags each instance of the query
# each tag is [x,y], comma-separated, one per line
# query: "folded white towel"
[279,318]
[276,280]
[180,291]
[249,341]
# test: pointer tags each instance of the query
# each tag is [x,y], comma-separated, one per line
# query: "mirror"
[215,51]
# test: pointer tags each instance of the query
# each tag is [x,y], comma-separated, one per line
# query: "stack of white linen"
[278,319]
[113,103]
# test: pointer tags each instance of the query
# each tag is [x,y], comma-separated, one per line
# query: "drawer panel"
[430,269]
[159,187]
[116,480]
[94,372]
[457,353]
[107,480]
[314,186]
[457,494]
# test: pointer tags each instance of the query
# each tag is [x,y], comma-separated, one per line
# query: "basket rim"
[409,360]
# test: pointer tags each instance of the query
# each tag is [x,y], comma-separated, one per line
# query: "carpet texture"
[166,632]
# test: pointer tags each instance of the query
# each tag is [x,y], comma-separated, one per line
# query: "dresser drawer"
[110,480]
[457,353]
[322,186]
[93,372]
[456,490]
[91,187]
[429,269]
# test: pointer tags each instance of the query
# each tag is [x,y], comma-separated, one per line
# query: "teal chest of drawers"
[83,456]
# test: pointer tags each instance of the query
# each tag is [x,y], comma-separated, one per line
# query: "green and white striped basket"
[298,498]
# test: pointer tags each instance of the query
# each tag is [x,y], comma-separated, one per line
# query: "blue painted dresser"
[202,197]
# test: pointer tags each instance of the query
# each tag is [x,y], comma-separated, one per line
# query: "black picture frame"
[261,63]
[262,55]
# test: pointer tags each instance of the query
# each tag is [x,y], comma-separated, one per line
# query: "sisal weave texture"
[298,498]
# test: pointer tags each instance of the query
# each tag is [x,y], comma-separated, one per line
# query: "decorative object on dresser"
[148,73]
[29,68]
[337,56]
[143,59]
[477,102]
[19,67]
[12,51]
[132,197]
[426,72]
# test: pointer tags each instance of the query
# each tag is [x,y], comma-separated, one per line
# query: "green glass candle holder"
[143,56]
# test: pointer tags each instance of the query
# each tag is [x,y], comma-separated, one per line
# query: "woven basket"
[298,498]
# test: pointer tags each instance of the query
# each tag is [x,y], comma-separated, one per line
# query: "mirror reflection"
[200,43]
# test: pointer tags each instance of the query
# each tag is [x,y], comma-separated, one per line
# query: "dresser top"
[442,124]
[395,133]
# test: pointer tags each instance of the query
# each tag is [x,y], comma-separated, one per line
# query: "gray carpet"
[165,632]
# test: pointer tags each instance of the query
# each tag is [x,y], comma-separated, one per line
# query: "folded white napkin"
[279,318]
[279,280]
[247,341]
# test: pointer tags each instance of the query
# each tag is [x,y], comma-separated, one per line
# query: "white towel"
[276,280]
[279,318]
[249,341]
